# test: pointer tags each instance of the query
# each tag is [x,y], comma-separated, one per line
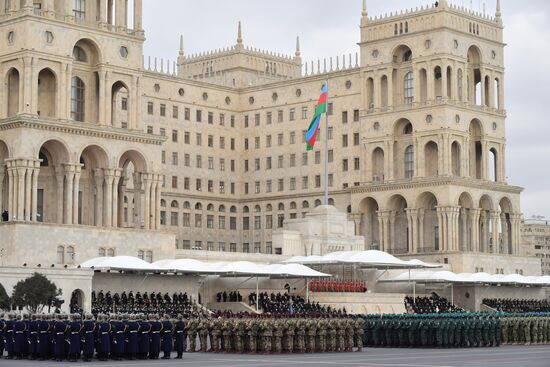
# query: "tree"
[34,293]
[4,299]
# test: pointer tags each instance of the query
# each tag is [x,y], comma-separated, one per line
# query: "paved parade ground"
[513,356]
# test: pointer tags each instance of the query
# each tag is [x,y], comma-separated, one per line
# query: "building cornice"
[80,128]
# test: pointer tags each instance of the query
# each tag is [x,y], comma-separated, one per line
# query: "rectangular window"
[317,157]
[187,160]
[280,139]
[246,188]
[280,116]
[198,184]
[150,108]
[257,247]
[210,162]
[124,104]
[232,188]
[210,221]
[163,157]
[187,114]
[257,142]
[245,143]
[222,164]
[222,187]
[304,113]
[199,161]
[292,114]
[344,140]
[232,165]
[210,118]
[293,160]
[280,162]
[345,165]
[174,219]
[186,220]
[163,110]
[232,121]
[246,165]
[268,221]
[330,156]
[268,186]
[257,119]
[233,223]
[221,247]
[356,164]
[77,99]
[305,183]
[187,137]
[356,139]
[174,158]
[268,118]
[268,163]
[330,180]
[246,121]
[246,248]
[186,245]
[222,119]
[221,222]
[175,112]
[186,183]
[198,245]
[268,141]
[355,115]
[222,142]
[210,246]
[79,9]
[257,222]
[210,186]
[304,159]
[344,117]
[232,247]
[318,181]
[330,133]
[269,248]
[280,220]
[330,109]
[174,136]
[198,220]
[257,164]
[174,182]
[292,137]
[293,183]
[162,131]
[199,116]
[257,187]
[246,223]
[198,139]
[281,184]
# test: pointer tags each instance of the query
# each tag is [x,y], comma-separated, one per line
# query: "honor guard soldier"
[75,328]
[88,330]
[144,337]
[133,338]
[120,338]
[104,338]
[59,330]
[2,333]
[179,328]
[156,329]
[33,337]
[20,330]
[167,340]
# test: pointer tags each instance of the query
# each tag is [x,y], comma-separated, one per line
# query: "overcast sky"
[330,27]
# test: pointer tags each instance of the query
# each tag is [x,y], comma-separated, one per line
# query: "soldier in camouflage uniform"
[332,335]
[289,332]
[359,333]
[239,332]
[266,331]
[526,325]
[203,330]
[278,326]
[311,334]
[226,334]
[350,331]
[321,342]
[192,332]
[341,332]
[505,329]
[252,333]
[299,340]
[215,326]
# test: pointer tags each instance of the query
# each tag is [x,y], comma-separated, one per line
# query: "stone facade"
[211,149]
[535,238]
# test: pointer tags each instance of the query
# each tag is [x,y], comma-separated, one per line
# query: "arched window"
[408,88]
[305,204]
[149,256]
[459,82]
[163,203]
[233,209]
[198,206]
[60,254]
[317,203]
[210,207]
[408,129]
[141,254]
[221,209]
[79,54]
[246,210]
[331,201]
[101,252]
[174,204]
[111,252]
[257,209]
[281,206]
[186,205]
[70,255]
[77,99]
[268,208]
[409,162]
[293,205]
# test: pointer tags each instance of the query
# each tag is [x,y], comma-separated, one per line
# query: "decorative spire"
[498,13]
[240,35]
[298,53]
[181,45]
[365,12]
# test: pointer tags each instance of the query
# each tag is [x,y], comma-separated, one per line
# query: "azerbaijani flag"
[313,130]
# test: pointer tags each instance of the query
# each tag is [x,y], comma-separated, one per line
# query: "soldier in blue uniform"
[133,338]
[2,333]
[120,338]
[10,336]
[75,329]
[104,340]
[156,329]
[20,331]
[88,331]
[59,329]
[32,334]
[179,328]
[144,337]
[167,337]
[44,341]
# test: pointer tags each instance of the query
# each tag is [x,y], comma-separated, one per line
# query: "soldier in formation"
[525,328]
[453,330]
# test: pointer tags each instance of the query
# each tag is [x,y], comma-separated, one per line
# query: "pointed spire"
[298,53]
[181,45]
[365,12]
[498,13]
[240,34]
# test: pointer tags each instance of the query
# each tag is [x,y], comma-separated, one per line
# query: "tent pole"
[452,294]
[257,294]
[307,290]
[414,293]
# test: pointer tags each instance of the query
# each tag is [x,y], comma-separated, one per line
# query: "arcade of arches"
[421,225]
[53,189]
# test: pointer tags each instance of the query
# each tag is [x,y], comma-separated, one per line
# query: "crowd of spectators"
[229,297]
[517,305]
[281,304]
[337,286]
[430,305]
[143,303]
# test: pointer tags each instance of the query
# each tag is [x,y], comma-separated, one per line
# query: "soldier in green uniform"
[350,330]
[321,343]
[311,333]
[267,335]
[332,335]
[239,333]
[423,326]
[526,323]
[341,332]
[226,334]
[252,332]
[388,327]
[413,331]
[359,334]
[505,329]
[290,330]
[215,326]
[192,332]
[377,331]
[203,334]
[439,332]
[300,337]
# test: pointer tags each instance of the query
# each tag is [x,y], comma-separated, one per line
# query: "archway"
[378,174]
[493,173]
[370,225]
[431,159]
[119,105]
[465,230]
[85,79]
[94,161]
[428,235]
[506,243]
[403,149]
[55,184]
[456,161]
[13,88]
[486,227]
[143,208]
[397,229]
[402,75]
[477,155]
[77,302]
[47,93]
[474,76]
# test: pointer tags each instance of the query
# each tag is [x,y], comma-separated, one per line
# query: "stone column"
[60,179]
[99,197]
[26,101]
[465,158]
[11,190]
[389,243]
[69,186]
[391,220]
[377,92]
[21,192]
[381,244]
[484,160]
[117,173]
[69,77]
[388,157]
[444,95]
[417,96]
[2,175]
[138,26]
[137,122]
[132,105]
[76,190]
[430,83]
[157,202]
[391,102]
[441,231]
[109,179]
[465,244]
[28,190]
[515,235]
[501,93]
[417,155]
[495,235]
[102,101]
[147,212]
[137,210]
[505,237]
[120,15]
[491,102]
[103,11]
[108,100]
[68,9]
[421,244]
[474,225]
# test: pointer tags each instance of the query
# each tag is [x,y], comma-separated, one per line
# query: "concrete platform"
[513,356]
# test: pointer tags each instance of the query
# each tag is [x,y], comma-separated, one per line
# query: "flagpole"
[326,149]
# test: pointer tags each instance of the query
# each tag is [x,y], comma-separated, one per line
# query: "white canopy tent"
[362,259]
[190,266]
[470,278]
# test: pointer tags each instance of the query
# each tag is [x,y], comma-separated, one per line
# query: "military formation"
[526,328]
[430,305]
[139,303]
[518,305]
[466,330]
[129,337]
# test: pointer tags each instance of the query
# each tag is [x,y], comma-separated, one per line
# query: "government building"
[107,152]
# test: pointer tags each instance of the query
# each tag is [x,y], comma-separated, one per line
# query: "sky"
[331,27]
